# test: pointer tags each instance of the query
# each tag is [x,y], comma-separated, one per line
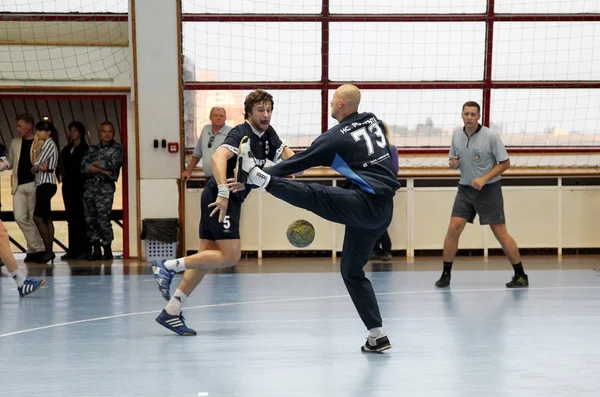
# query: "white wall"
[132,181]
[158,95]
[157,88]
[537,217]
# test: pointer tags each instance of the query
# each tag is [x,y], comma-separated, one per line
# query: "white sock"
[376,332]
[259,178]
[176,264]
[174,305]
[18,277]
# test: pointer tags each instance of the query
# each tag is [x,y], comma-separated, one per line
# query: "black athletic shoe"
[518,281]
[444,281]
[379,345]
[379,255]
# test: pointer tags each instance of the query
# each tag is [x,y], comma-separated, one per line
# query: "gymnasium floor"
[288,328]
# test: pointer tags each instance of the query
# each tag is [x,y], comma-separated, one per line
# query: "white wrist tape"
[223,191]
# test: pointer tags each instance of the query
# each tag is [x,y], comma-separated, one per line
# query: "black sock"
[447,267]
[519,269]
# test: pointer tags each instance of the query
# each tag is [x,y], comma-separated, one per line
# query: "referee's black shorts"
[488,203]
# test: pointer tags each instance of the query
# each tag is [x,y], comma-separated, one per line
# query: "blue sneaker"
[175,323]
[30,286]
[163,277]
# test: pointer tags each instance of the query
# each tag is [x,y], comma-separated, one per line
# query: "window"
[416,118]
[547,6]
[296,115]
[385,51]
[416,71]
[407,7]
[546,51]
[552,117]
[261,51]
[252,7]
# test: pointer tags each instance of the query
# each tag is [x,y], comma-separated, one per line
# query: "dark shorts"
[43,195]
[210,227]
[487,203]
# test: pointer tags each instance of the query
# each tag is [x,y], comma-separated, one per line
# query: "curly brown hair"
[256,96]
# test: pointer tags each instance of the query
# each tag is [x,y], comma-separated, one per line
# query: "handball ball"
[300,233]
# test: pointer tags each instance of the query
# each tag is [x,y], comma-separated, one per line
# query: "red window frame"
[487,84]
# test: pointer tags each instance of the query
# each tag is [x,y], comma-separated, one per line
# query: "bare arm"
[187,173]
[193,162]
[219,164]
[454,162]
[497,170]
[287,153]
[479,183]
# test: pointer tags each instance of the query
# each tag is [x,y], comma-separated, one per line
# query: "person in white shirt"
[211,137]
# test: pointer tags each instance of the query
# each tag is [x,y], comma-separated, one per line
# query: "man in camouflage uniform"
[101,164]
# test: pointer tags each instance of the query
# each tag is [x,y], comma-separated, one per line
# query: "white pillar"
[157,95]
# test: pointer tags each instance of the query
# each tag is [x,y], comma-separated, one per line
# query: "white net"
[417,63]
[61,43]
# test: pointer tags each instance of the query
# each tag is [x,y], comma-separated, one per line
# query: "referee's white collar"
[256,132]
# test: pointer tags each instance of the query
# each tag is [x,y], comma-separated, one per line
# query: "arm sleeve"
[452,152]
[86,162]
[232,142]
[394,153]
[320,153]
[498,148]
[276,143]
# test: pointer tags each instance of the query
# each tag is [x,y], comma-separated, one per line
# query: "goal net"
[64,43]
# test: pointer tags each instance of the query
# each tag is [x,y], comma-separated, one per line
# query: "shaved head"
[350,94]
[345,101]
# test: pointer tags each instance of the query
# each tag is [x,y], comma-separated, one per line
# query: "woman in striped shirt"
[45,164]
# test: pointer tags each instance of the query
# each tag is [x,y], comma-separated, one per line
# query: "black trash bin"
[161,236]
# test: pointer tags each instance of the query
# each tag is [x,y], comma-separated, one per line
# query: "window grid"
[325,84]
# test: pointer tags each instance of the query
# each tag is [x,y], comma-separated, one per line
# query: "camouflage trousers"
[98,200]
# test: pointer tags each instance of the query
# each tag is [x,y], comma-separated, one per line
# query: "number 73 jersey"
[356,148]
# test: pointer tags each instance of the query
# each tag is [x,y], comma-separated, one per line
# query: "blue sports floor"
[288,328]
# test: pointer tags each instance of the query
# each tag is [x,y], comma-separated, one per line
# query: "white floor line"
[310,298]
